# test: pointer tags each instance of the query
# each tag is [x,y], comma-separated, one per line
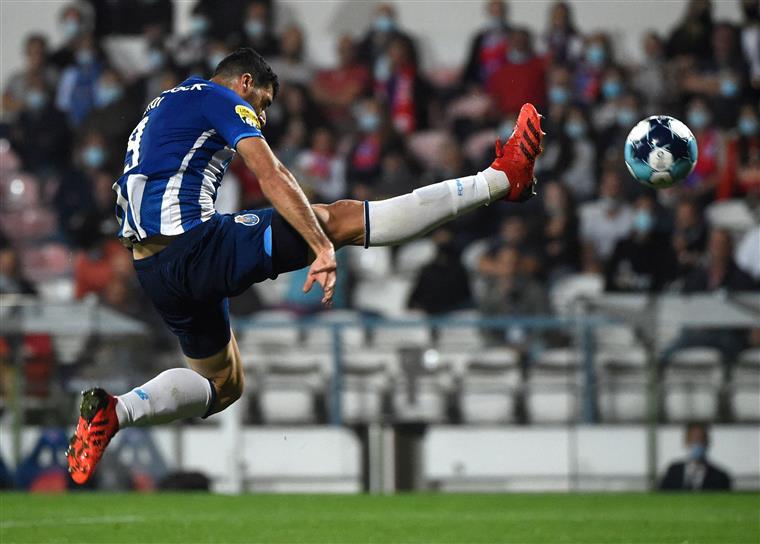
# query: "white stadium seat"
[460,337]
[744,388]
[258,337]
[622,385]
[553,387]
[490,386]
[406,336]
[566,292]
[370,263]
[692,383]
[287,389]
[321,338]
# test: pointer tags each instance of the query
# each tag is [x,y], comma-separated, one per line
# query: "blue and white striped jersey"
[177,156]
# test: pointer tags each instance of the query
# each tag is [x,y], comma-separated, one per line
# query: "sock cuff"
[212,400]
[497,182]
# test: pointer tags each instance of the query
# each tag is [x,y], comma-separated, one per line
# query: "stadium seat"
[412,335]
[612,338]
[387,297]
[489,387]
[362,392]
[622,385]
[460,337]
[370,263]
[552,389]
[257,337]
[569,290]
[414,255]
[732,215]
[321,338]
[744,388]
[421,386]
[692,383]
[287,389]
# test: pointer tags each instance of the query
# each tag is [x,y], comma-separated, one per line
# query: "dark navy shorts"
[189,282]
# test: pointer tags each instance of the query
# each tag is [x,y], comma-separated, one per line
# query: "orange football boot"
[97,425]
[517,156]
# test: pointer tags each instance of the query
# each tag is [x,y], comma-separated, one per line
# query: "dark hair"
[702,426]
[246,60]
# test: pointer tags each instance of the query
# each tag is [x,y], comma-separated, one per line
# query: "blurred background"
[561,344]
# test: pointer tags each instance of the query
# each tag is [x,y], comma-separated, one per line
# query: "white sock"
[179,393]
[406,217]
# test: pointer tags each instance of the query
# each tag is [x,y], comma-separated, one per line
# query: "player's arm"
[282,190]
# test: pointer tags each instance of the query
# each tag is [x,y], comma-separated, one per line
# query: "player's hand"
[323,271]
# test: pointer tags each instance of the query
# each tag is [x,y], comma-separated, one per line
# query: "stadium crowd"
[375,124]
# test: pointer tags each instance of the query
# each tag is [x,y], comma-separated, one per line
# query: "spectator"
[291,65]
[257,29]
[76,21]
[521,79]
[12,280]
[337,89]
[563,41]
[561,244]
[76,88]
[445,274]
[36,70]
[652,78]
[748,253]
[750,38]
[597,56]
[695,473]
[100,265]
[741,174]
[488,49]
[704,178]
[320,171]
[608,219]
[643,261]
[373,48]
[689,237]
[559,98]
[41,134]
[718,270]
[190,49]
[692,36]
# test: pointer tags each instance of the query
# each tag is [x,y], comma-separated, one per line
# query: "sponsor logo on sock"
[247,219]
[460,188]
[142,394]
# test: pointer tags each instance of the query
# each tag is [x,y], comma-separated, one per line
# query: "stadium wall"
[444,34]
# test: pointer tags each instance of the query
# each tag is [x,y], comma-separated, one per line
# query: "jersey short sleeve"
[231,116]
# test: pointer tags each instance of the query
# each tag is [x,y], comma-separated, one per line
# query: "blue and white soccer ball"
[660,151]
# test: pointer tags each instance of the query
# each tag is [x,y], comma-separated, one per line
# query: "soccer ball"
[660,151]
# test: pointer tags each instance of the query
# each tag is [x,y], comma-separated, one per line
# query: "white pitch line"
[14,524]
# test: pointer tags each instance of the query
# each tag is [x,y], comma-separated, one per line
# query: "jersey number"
[133,145]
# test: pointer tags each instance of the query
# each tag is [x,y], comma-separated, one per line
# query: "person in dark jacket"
[695,473]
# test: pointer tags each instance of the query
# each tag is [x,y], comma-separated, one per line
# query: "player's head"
[248,74]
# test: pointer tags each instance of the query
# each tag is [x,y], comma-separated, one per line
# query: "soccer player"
[190,259]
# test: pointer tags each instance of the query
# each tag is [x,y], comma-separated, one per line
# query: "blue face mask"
[643,222]
[254,28]
[384,23]
[611,88]
[70,28]
[85,56]
[625,117]
[107,94]
[35,100]
[595,55]
[156,60]
[697,452]
[747,126]
[93,156]
[729,88]
[198,25]
[698,119]
[575,129]
[368,122]
[558,95]
[517,57]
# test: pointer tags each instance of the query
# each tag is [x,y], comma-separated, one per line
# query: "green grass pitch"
[528,518]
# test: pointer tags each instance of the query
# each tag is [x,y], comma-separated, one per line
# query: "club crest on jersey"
[248,116]
[247,219]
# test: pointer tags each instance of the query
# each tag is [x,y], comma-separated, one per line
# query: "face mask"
[643,222]
[93,156]
[35,100]
[214,60]
[156,60]
[697,451]
[575,129]
[558,95]
[747,126]
[198,25]
[729,88]
[383,23]
[611,88]
[517,57]
[107,94]
[369,122]
[625,117]
[494,21]
[254,28]
[70,28]
[85,56]
[698,119]
[595,55]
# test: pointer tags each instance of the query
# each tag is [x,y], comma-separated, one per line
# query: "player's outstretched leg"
[406,217]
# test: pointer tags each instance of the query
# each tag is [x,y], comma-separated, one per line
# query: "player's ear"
[246,80]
